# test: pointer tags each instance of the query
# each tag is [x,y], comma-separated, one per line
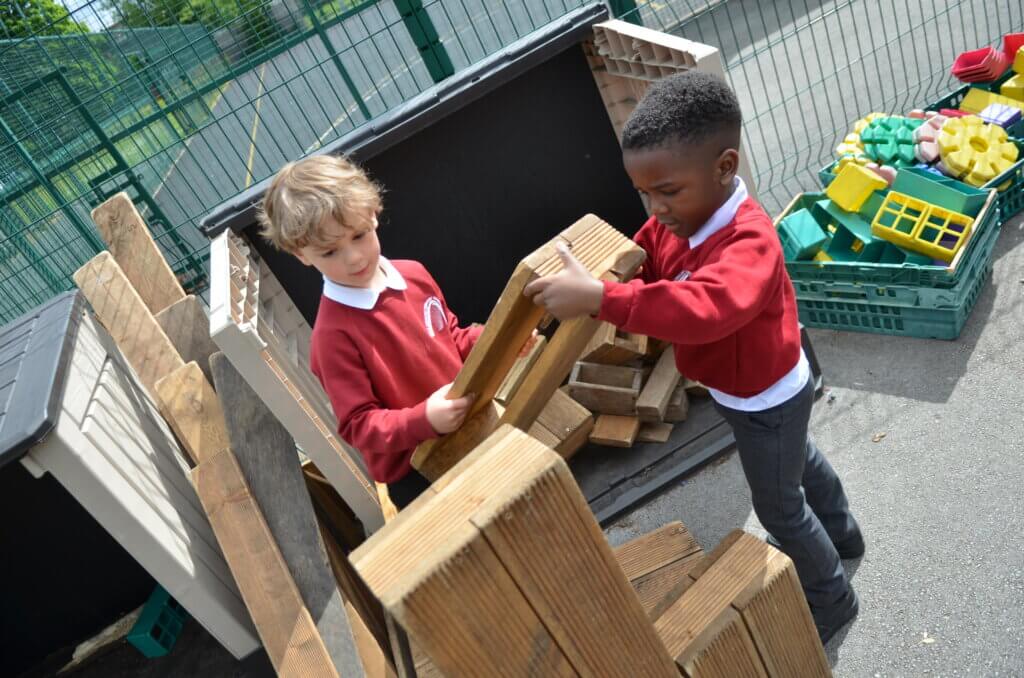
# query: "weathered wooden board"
[188,327]
[615,431]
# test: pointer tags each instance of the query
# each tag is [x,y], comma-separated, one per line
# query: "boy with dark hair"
[715,285]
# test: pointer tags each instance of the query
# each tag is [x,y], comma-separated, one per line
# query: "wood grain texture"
[188,403]
[269,461]
[570,422]
[678,405]
[726,650]
[658,432]
[519,370]
[648,552]
[132,246]
[606,389]
[282,620]
[124,314]
[615,431]
[611,346]
[655,396]
[188,327]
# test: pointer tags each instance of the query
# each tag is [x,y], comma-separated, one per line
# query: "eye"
[328,254]
[670,192]
[359,236]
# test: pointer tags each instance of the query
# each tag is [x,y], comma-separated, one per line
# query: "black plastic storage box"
[491,163]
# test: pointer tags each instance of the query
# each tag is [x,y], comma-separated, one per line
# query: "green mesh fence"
[184,105]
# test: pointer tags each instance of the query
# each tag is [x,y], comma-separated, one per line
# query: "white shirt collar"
[723,216]
[364,298]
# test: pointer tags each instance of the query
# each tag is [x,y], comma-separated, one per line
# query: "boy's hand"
[447,415]
[569,293]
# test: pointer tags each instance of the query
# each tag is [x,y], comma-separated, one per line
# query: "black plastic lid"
[35,351]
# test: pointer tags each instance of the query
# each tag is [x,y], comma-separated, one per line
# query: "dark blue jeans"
[796,495]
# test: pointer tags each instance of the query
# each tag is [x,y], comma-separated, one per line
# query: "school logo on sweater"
[433,316]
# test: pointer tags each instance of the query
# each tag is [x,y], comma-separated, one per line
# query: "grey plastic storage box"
[494,161]
[71,407]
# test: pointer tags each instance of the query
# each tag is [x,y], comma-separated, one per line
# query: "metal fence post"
[325,39]
[425,37]
[625,10]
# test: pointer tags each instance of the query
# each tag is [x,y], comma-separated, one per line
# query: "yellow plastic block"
[851,145]
[921,227]
[861,160]
[977,99]
[822,257]
[1014,88]
[853,186]
[974,150]
[1018,60]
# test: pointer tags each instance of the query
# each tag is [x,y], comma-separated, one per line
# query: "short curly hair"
[689,107]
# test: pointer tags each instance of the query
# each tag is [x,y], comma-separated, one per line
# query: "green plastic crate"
[895,319]
[954,99]
[937,298]
[884,274]
[157,628]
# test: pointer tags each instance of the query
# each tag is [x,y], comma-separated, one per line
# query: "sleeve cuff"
[616,303]
[419,425]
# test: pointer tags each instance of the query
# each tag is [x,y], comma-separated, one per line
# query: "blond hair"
[304,193]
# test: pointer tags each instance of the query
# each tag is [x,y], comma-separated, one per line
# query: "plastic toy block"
[861,160]
[1018,60]
[921,227]
[925,167]
[852,239]
[953,112]
[980,65]
[926,148]
[894,255]
[851,144]
[947,193]
[801,235]
[1014,88]
[871,206]
[884,172]
[158,626]
[822,257]
[975,151]
[852,186]
[890,141]
[976,100]
[999,114]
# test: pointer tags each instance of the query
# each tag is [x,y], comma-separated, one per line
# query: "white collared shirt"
[794,380]
[363,297]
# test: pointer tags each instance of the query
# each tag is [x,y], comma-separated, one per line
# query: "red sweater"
[727,305]
[379,366]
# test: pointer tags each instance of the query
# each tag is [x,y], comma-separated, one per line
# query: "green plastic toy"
[890,141]
[801,235]
[949,193]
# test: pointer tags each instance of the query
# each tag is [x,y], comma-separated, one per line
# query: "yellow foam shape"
[977,99]
[861,160]
[921,227]
[1014,88]
[853,186]
[859,126]
[1018,60]
[851,145]
[822,257]
[976,151]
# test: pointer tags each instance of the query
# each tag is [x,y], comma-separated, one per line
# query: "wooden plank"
[658,390]
[190,406]
[569,421]
[615,431]
[269,461]
[488,552]
[725,650]
[678,405]
[188,327]
[282,620]
[656,549]
[132,246]
[331,509]
[606,389]
[780,622]
[602,250]
[124,314]
[660,589]
[542,434]
[519,370]
[658,432]
[612,346]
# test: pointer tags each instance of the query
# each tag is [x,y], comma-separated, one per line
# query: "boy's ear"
[727,165]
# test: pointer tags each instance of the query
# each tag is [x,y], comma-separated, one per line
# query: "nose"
[658,207]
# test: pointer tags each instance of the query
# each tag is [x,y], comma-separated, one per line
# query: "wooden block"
[331,510]
[678,405]
[605,389]
[282,619]
[615,431]
[190,406]
[612,346]
[269,462]
[132,246]
[695,388]
[658,432]
[519,370]
[604,252]
[777,615]
[657,392]
[725,650]
[188,327]
[481,578]
[121,310]
[570,422]
[656,549]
